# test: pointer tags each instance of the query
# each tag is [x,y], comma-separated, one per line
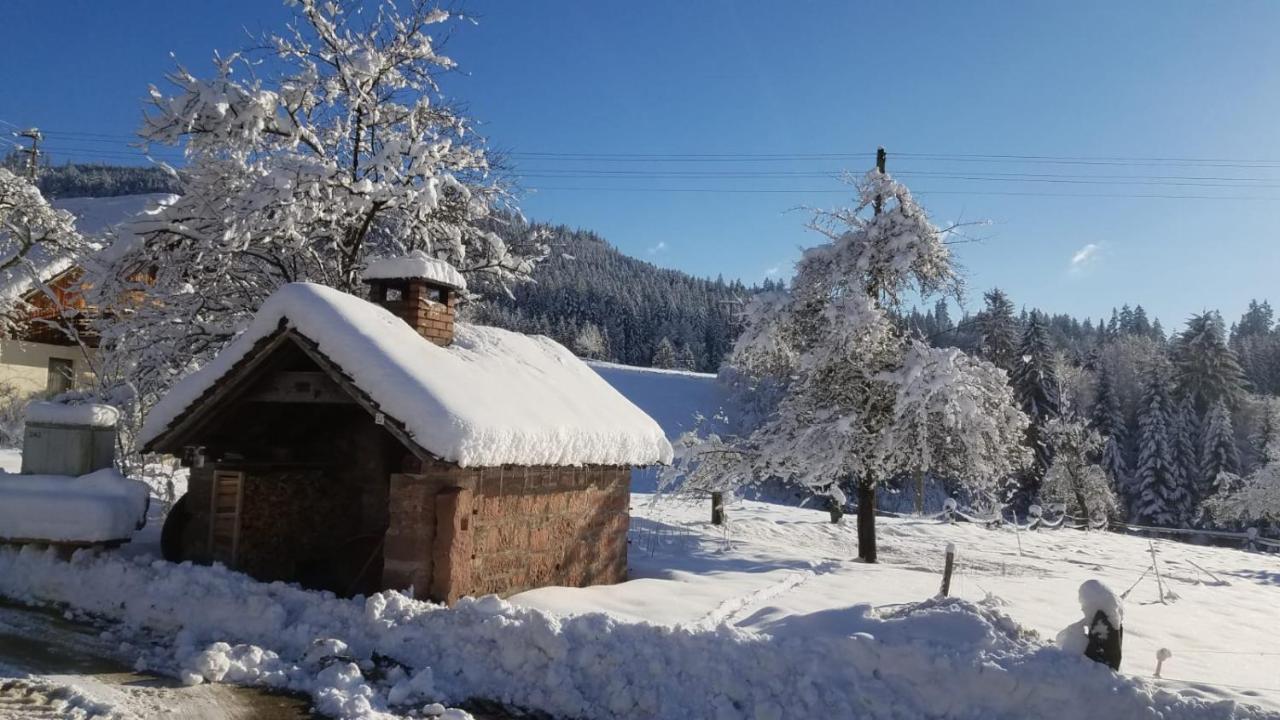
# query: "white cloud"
[660,247]
[770,272]
[1084,257]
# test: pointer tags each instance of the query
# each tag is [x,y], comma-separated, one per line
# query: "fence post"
[946,570]
[1161,655]
[1251,538]
[949,511]
[717,508]
[1156,565]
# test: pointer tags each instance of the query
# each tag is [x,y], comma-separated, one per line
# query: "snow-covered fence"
[1055,516]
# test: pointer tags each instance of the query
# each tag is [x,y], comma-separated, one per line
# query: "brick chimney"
[421,290]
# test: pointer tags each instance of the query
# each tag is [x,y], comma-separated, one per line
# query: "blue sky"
[929,81]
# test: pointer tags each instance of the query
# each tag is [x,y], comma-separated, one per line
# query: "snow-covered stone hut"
[357,445]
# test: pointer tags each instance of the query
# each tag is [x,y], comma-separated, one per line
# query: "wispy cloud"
[660,247]
[770,272]
[1084,257]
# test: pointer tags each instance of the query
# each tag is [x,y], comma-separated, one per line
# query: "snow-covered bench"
[101,508]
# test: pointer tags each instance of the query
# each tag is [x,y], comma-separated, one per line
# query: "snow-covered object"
[417,264]
[1096,597]
[97,507]
[493,397]
[88,415]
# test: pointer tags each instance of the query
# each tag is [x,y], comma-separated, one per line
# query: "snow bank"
[493,397]
[416,264]
[103,416]
[940,658]
[97,507]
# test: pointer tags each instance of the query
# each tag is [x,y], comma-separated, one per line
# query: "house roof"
[94,217]
[493,397]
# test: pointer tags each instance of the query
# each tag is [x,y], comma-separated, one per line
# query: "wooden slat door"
[224,520]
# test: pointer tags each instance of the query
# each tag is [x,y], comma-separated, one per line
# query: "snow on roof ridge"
[416,264]
[493,397]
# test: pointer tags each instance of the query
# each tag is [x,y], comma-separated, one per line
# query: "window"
[61,375]
[394,294]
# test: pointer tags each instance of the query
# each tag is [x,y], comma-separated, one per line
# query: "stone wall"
[473,531]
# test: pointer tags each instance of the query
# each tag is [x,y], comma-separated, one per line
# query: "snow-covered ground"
[768,617]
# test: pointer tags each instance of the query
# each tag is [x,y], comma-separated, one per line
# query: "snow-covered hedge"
[944,658]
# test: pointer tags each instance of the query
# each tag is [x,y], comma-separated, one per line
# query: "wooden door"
[224,519]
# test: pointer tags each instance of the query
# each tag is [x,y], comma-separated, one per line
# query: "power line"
[1271,198]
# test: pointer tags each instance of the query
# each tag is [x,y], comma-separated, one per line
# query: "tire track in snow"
[731,609]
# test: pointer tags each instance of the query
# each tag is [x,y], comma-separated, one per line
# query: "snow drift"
[358,658]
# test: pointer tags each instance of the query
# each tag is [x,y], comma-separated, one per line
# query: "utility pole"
[33,152]
[880,156]
[866,484]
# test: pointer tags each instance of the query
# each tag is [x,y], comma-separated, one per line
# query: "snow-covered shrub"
[1075,479]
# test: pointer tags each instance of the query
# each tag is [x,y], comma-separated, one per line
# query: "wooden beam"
[287,386]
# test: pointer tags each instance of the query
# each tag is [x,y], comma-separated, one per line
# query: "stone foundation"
[473,531]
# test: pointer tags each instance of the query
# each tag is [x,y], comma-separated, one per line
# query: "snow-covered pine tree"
[1218,453]
[1187,432]
[1107,420]
[1073,478]
[1162,493]
[318,148]
[664,356]
[998,330]
[1035,384]
[1207,368]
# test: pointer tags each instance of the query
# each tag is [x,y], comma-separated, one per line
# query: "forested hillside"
[92,180]
[606,305]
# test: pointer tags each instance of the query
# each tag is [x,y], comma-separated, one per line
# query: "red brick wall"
[433,320]
[504,530]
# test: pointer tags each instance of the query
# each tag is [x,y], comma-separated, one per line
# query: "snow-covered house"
[358,445]
[39,357]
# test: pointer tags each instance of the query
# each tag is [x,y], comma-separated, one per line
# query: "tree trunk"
[919,475]
[867,520]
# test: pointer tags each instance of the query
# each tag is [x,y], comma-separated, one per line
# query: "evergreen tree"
[998,330]
[1207,369]
[1162,496]
[1218,454]
[1108,420]
[1035,383]
[665,355]
[1187,443]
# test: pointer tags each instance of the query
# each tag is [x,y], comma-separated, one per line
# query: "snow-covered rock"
[97,507]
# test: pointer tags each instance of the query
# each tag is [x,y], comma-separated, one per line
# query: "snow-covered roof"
[493,397]
[417,264]
[94,217]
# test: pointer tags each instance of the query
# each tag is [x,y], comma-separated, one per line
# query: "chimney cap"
[417,265]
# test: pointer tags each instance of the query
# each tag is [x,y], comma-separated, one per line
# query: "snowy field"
[770,619]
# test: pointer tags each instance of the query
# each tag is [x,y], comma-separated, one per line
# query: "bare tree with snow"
[1074,478]
[346,149]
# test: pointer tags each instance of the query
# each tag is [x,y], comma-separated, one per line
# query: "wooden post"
[946,570]
[1155,564]
[1161,655]
[717,508]
[867,519]
[919,476]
